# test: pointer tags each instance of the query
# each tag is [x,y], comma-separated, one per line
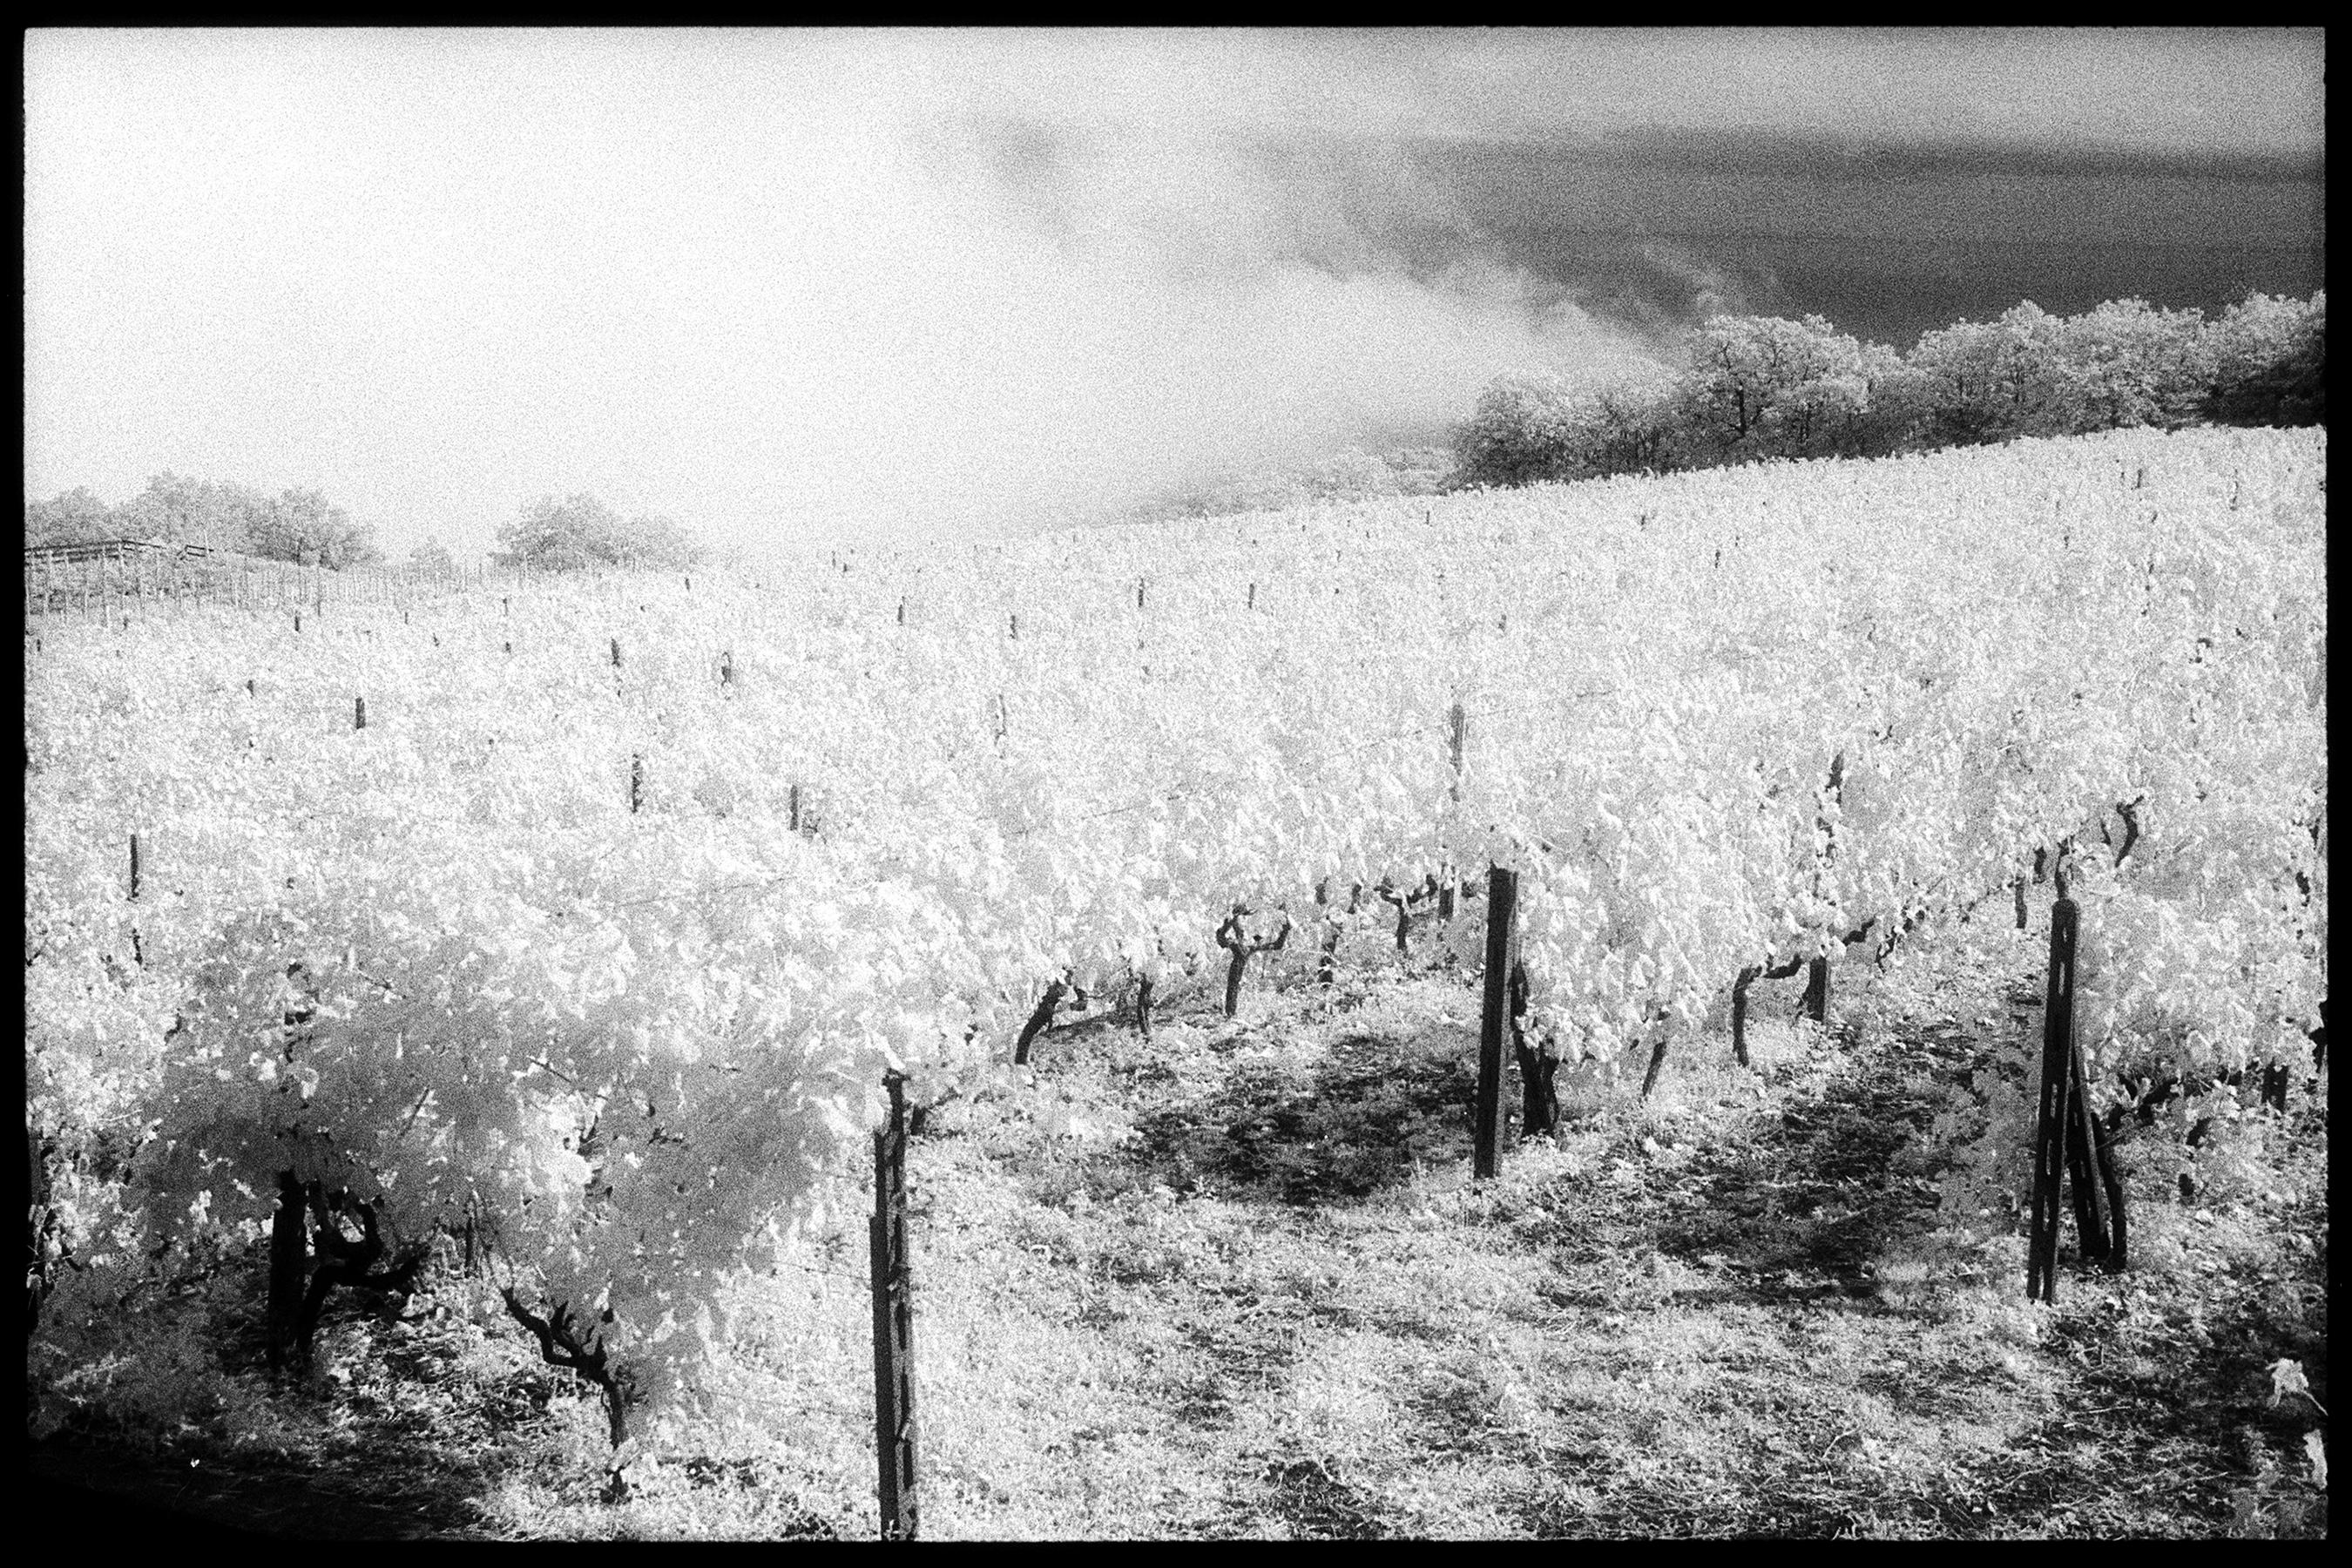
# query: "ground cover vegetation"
[534,958]
[1255,1297]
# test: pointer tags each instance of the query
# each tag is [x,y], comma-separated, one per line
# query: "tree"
[194,511]
[297,525]
[432,558]
[302,527]
[75,517]
[1988,380]
[2268,362]
[659,542]
[579,532]
[1524,432]
[1630,429]
[1531,428]
[2128,364]
[1764,386]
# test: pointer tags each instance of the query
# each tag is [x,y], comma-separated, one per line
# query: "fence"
[73,578]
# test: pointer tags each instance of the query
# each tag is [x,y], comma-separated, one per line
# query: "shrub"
[580,531]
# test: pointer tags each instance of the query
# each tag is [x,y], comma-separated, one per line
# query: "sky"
[800,288]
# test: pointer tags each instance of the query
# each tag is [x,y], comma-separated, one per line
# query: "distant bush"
[1757,387]
[579,532]
[1533,427]
[1353,475]
[432,558]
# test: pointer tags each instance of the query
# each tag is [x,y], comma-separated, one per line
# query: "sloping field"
[582,923]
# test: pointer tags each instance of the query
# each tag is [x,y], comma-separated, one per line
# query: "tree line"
[1753,388]
[302,526]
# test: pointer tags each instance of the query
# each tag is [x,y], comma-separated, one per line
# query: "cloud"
[788,289]
[795,287]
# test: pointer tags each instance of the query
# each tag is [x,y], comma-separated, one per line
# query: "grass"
[1263,1299]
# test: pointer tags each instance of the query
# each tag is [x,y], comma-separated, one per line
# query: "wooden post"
[1740,985]
[1326,962]
[2097,1193]
[1494,1016]
[1538,1103]
[636,780]
[894,1325]
[1460,721]
[288,1266]
[2057,1080]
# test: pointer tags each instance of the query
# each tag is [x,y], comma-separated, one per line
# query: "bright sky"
[801,286]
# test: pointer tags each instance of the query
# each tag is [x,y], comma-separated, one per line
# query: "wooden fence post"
[894,1325]
[2057,1081]
[1538,1103]
[2091,1174]
[288,1266]
[137,957]
[1494,1016]
[1460,723]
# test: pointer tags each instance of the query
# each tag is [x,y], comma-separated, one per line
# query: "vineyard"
[561,936]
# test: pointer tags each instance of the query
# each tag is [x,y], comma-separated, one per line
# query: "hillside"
[555,941]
